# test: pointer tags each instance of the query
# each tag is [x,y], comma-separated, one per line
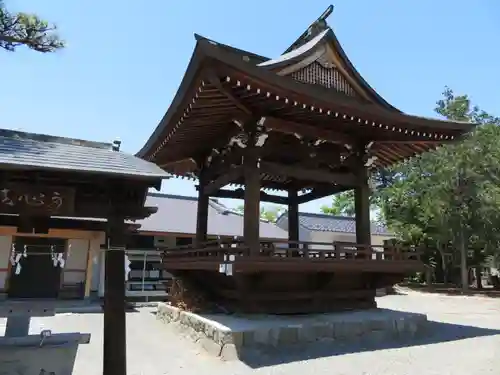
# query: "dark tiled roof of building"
[177,214]
[45,152]
[331,223]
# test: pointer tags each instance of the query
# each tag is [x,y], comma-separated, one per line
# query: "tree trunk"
[464,270]
[444,266]
[479,278]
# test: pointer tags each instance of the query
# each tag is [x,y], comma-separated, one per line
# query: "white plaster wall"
[329,237]
[76,262]
[5,249]
[96,263]
[100,269]
[97,255]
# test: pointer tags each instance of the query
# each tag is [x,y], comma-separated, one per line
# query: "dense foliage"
[342,204]
[447,200]
[26,29]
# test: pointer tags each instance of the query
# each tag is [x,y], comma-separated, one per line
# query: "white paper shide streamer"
[58,259]
[127,267]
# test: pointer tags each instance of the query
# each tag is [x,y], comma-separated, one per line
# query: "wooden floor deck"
[286,277]
[293,256]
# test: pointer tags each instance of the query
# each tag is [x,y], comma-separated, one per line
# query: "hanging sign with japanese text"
[36,200]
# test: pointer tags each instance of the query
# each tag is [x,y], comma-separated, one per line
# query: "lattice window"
[315,73]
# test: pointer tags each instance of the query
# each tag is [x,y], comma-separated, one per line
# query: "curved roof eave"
[357,76]
[190,74]
[206,48]
[317,93]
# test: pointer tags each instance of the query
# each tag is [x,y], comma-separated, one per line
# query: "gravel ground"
[465,339]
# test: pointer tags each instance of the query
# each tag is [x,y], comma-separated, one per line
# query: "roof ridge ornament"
[314,29]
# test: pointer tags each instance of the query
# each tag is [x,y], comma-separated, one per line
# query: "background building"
[174,224]
[329,228]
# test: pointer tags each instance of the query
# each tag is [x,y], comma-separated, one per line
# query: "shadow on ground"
[59,306]
[94,308]
[437,333]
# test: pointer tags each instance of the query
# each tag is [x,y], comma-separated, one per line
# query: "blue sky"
[125,60]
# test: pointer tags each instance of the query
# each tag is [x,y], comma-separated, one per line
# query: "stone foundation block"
[227,336]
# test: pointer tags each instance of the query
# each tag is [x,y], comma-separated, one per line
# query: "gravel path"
[465,340]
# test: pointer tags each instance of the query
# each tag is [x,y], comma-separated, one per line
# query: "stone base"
[228,336]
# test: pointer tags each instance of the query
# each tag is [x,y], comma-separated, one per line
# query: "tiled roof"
[28,150]
[331,223]
[177,214]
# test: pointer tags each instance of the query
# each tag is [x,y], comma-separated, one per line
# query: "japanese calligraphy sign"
[43,200]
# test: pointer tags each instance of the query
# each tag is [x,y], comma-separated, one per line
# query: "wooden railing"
[218,249]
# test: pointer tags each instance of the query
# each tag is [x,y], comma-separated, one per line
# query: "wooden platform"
[288,277]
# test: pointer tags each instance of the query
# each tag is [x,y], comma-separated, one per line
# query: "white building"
[330,228]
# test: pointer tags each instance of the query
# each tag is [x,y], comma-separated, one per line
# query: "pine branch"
[29,30]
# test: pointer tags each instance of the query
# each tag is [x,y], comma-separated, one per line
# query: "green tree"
[17,29]
[342,204]
[451,196]
[270,213]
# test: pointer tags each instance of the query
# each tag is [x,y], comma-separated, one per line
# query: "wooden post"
[293,218]
[115,336]
[251,212]
[89,268]
[202,212]
[362,207]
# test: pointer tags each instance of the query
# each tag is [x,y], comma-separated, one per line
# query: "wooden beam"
[405,141]
[327,153]
[232,175]
[240,194]
[180,166]
[311,131]
[320,193]
[362,210]
[222,163]
[293,217]
[251,212]
[307,131]
[100,209]
[307,174]
[215,80]
[202,211]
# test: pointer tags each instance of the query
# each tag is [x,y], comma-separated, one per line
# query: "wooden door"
[38,277]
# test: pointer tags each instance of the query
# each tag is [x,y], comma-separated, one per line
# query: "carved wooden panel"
[316,73]
[36,200]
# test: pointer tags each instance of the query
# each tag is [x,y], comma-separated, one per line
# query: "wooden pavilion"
[305,123]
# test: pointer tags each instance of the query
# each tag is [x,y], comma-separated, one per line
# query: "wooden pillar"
[251,212]
[89,269]
[115,336]
[362,207]
[293,217]
[202,212]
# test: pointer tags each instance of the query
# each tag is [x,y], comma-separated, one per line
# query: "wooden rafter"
[214,80]
[232,175]
[320,192]
[308,174]
[240,194]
